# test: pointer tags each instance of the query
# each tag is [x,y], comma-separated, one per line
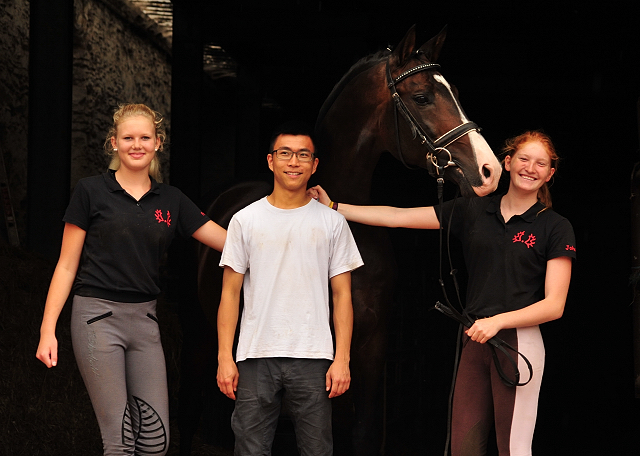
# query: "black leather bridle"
[434,151]
[434,148]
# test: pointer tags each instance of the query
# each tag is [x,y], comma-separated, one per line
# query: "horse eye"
[421,99]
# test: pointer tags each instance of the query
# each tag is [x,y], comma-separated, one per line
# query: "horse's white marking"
[443,81]
[484,155]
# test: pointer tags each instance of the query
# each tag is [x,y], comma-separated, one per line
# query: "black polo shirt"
[126,239]
[506,263]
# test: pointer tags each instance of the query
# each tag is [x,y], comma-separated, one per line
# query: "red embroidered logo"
[570,247]
[160,218]
[529,242]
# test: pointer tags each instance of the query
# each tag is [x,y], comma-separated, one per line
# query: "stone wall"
[119,56]
[14,104]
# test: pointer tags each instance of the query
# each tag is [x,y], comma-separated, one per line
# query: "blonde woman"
[118,226]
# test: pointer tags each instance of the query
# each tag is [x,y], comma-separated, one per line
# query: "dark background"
[567,68]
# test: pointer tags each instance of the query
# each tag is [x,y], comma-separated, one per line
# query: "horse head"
[427,115]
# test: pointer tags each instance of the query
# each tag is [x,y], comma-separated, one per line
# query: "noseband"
[434,148]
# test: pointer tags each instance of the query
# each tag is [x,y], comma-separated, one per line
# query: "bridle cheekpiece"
[434,148]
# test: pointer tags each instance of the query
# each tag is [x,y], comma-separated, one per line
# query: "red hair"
[512,145]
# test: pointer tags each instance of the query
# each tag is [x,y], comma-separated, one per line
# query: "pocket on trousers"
[99,317]
[153,317]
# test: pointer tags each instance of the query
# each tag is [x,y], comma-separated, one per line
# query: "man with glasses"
[285,250]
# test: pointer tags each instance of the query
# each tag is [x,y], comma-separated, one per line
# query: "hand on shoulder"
[319,194]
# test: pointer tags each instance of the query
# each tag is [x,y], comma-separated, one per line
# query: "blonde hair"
[124,112]
[512,145]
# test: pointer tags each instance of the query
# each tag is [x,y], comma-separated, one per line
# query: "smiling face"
[292,175]
[136,142]
[529,167]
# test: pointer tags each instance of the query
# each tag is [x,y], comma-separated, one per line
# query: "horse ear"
[432,47]
[404,49]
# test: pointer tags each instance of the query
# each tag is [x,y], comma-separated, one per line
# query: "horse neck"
[346,172]
[351,136]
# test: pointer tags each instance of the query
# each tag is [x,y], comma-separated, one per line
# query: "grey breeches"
[118,350]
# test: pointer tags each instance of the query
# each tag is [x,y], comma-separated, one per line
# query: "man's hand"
[227,378]
[338,378]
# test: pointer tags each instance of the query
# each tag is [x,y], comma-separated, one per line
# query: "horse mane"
[364,64]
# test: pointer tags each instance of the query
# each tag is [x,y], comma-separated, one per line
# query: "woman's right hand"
[319,194]
[48,350]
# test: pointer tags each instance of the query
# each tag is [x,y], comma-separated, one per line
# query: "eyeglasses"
[304,156]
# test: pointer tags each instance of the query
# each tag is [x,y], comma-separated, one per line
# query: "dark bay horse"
[395,101]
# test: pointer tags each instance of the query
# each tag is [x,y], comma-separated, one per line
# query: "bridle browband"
[434,148]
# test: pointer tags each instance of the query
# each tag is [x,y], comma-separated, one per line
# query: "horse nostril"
[486,171]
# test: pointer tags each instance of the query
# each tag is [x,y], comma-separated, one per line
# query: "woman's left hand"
[484,329]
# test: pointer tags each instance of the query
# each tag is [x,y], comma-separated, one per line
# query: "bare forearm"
[211,234]
[392,217]
[343,327]
[535,314]
[59,291]
[227,322]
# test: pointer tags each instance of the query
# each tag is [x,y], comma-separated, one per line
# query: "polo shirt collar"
[529,216]
[114,186]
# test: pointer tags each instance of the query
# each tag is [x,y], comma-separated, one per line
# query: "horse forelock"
[362,65]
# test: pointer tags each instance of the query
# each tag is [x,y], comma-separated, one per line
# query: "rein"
[434,148]
[465,320]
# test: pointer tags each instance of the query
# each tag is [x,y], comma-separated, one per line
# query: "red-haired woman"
[518,254]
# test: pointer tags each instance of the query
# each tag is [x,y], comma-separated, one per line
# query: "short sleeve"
[234,253]
[562,240]
[345,255]
[191,217]
[79,209]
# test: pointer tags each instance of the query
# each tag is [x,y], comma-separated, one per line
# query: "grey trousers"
[118,350]
[264,386]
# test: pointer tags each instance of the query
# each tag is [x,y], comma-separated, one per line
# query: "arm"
[338,376]
[61,283]
[228,312]
[211,234]
[556,287]
[392,217]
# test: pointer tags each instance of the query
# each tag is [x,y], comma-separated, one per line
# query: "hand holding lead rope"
[495,342]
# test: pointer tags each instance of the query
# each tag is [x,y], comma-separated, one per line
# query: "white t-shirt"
[287,257]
